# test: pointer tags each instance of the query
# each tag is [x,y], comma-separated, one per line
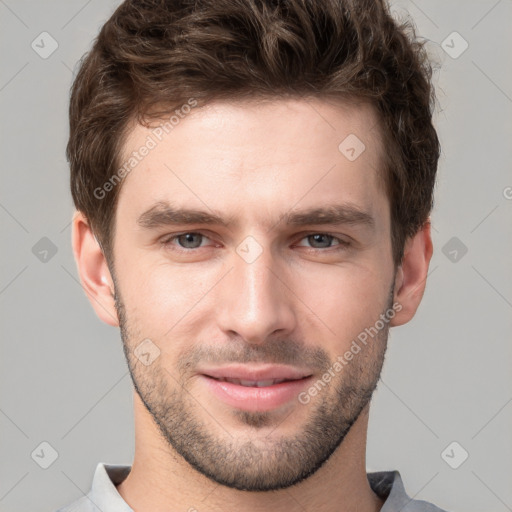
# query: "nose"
[255,300]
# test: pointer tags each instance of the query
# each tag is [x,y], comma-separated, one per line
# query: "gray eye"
[321,239]
[187,240]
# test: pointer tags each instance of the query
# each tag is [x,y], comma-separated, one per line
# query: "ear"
[411,276]
[93,270]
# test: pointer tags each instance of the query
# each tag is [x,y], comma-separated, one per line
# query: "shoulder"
[83,504]
[422,506]
[389,486]
[103,494]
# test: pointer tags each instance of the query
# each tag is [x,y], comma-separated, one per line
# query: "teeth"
[253,383]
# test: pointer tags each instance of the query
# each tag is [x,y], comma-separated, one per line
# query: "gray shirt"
[103,496]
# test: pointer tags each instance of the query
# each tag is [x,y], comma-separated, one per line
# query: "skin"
[300,298]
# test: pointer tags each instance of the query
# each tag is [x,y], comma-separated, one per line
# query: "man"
[253,183]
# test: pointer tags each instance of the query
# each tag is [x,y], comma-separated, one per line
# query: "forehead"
[256,159]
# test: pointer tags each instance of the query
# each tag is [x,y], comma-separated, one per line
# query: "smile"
[255,388]
[252,383]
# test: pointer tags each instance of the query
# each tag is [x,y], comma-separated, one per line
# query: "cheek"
[163,299]
[342,301]
[333,303]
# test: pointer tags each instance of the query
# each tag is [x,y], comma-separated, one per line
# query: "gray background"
[447,375]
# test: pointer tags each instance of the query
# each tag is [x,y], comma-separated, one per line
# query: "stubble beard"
[260,463]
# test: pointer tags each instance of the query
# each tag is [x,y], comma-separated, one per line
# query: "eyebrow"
[163,214]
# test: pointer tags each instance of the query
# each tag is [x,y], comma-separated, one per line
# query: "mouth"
[255,388]
[253,383]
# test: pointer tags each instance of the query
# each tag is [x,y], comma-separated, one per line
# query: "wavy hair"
[152,56]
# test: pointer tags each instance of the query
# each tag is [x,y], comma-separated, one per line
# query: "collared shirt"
[103,496]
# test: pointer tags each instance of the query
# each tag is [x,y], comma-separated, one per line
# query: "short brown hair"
[154,55]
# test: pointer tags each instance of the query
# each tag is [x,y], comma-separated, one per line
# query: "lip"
[256,372]
[255,399]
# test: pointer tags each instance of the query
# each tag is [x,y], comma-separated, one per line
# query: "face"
[251,254]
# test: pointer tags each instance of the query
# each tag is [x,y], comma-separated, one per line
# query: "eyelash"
[342,244]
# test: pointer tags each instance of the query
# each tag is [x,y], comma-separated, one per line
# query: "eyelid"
[167,239]
[342,243]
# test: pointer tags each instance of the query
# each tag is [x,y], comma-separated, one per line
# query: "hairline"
[338,100]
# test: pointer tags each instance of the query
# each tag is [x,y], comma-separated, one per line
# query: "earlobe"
[93,270]
[410,280]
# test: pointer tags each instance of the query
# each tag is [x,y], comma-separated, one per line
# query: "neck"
[162,481]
